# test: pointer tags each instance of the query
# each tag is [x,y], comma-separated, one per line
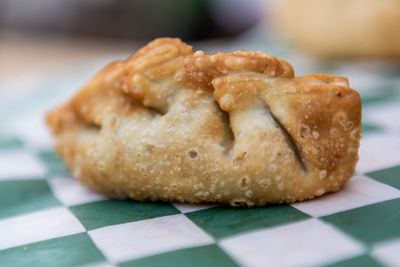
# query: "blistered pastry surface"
[238,128]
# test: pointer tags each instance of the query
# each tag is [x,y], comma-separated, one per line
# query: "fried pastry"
[236,128]
[352,28]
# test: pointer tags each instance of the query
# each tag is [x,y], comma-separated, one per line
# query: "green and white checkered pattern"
[48,219]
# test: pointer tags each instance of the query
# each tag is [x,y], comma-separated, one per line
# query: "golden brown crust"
[237,128]
[200,69]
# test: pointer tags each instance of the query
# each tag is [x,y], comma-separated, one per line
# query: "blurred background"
[45,34]
[50,48]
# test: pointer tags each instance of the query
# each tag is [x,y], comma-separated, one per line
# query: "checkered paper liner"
[48,219]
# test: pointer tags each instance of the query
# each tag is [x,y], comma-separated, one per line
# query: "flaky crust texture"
[236,128]
[351,28]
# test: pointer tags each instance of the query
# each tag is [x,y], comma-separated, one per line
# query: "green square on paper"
[73,250]
[368,128]
[374,223]
[211,255]
[384,93]
[7,142]
[362,261]
[226,221]
[54,165]
[393,72]
[22,196]
[109,212]
[390,176]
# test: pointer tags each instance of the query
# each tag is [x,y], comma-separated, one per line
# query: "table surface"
[48,219]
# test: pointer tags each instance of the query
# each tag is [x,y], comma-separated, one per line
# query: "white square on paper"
[38,226]
[38,136]
[142,238]
[186,207]
[378,151]
[19,163]
[70,192]
[358,192]
[305,243]
[388,253]
[385,114]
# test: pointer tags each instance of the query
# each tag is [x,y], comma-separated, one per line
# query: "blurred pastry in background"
[339,28]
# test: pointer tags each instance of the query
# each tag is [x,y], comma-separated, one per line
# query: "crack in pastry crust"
[297,151]
[236,128]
